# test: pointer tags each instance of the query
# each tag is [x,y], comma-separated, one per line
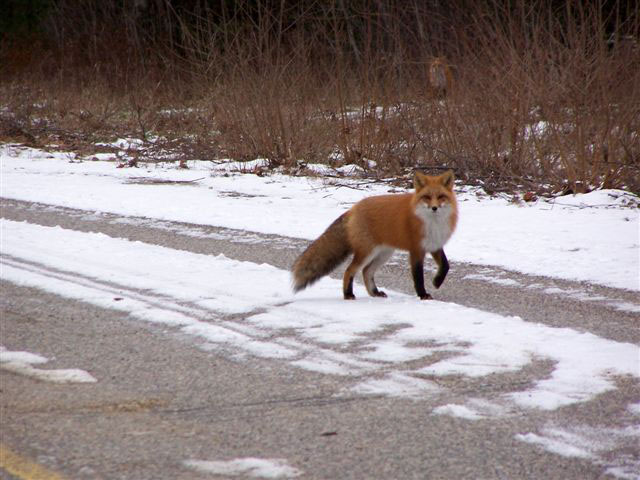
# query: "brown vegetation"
[545,94]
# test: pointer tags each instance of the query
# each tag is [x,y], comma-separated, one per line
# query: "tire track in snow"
[192,319]
[319,333]
[551,301]
[174,288]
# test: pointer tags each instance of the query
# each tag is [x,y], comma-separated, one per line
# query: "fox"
[419,222]
[440,77]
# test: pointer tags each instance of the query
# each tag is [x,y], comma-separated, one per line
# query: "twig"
[428,145]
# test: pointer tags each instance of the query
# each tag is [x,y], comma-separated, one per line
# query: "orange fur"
[420,222]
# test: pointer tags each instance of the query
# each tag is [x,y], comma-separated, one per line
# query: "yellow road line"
[24,468]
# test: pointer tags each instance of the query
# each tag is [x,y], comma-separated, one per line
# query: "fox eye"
[427,198]
[442,198]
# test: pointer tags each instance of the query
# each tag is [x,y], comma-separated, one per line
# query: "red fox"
[420,222]
[440,78]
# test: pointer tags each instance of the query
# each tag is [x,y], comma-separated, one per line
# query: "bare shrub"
[545,94]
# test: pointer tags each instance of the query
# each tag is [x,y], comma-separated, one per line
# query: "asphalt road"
[160,400]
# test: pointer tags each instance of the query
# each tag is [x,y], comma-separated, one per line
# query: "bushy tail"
[322,256]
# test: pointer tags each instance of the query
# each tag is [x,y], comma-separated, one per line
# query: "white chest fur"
[437,226]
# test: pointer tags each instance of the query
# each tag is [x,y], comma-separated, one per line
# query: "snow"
[396,347]
[22,363]
[536,130]
[506,282]
[554,445]
[397,384]
[591,443]
[193,291]
[253,467]
[459,411]
[474,409]
[124,144]
[589,238]
[23,357]
[626,307]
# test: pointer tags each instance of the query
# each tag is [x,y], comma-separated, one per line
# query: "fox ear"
[419,180]
[447,179]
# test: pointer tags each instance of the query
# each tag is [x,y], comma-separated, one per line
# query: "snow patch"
[591,443]
[459,411]
[397,384]
[555,445]
[508,282]
[22,357]
[124,144]
[21,363]
[625,306]
[252,467]
[634,408]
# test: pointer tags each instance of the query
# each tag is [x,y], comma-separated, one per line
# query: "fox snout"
[435,207]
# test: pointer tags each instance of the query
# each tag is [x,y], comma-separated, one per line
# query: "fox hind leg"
[380,257]
[349,273]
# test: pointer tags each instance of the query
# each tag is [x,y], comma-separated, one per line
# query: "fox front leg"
[443,267]
[417,271]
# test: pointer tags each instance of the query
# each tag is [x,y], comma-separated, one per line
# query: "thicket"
[545,94]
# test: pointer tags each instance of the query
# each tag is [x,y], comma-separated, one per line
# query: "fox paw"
[426,296]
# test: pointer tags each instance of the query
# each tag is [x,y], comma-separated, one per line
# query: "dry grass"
[542,99]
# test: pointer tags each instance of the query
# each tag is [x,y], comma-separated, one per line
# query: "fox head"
[433,192]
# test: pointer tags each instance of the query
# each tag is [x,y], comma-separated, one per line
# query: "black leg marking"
[348,292]
[443,267]
[379,293]
[417,270]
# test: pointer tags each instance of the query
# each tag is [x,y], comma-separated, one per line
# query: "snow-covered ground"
[590,238]
[477,343]
[582,237]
